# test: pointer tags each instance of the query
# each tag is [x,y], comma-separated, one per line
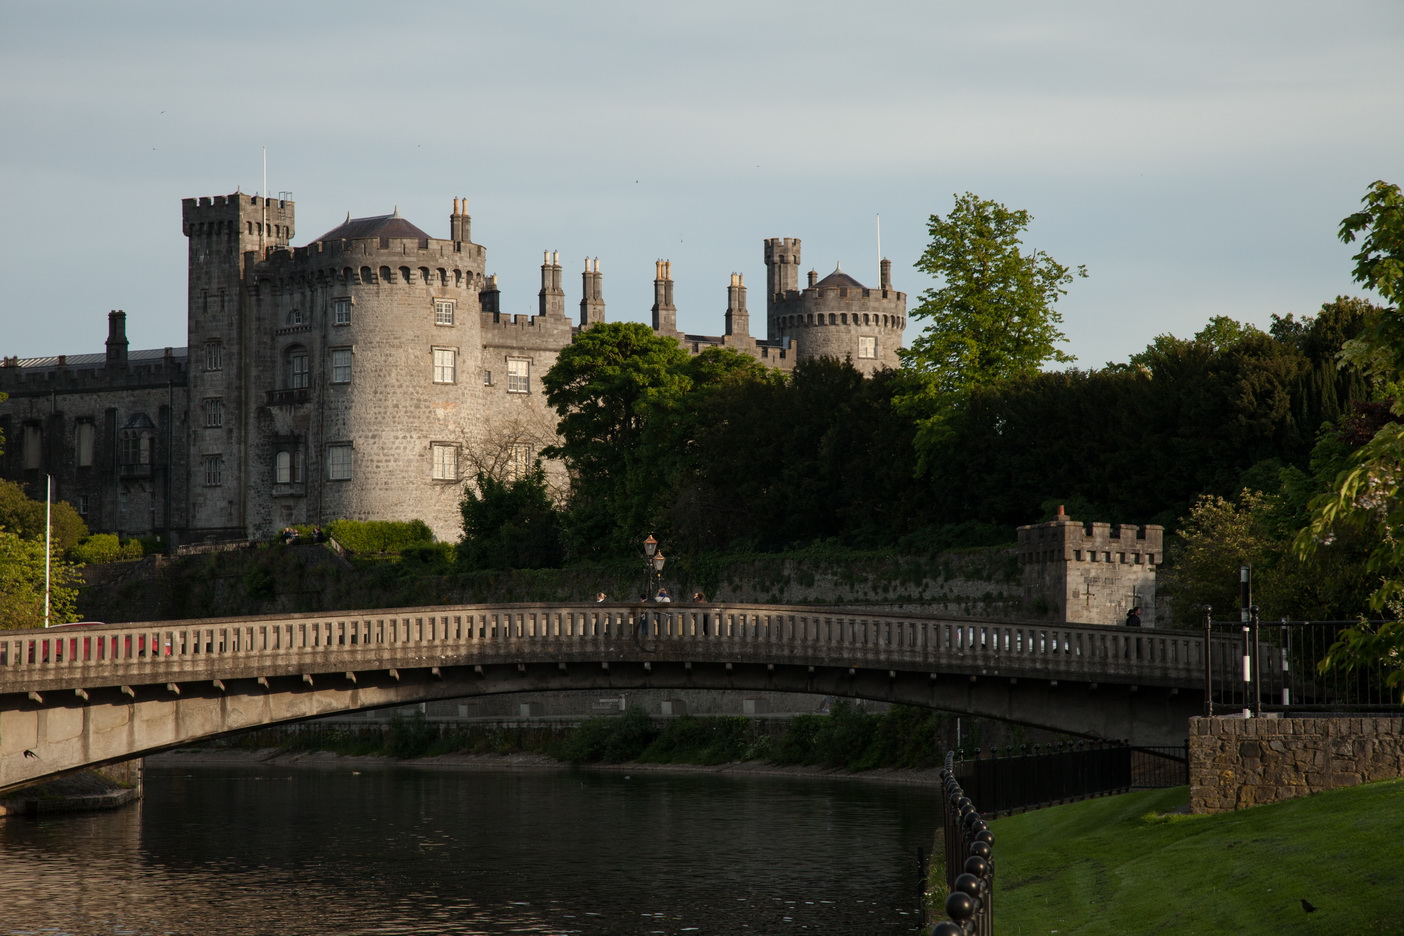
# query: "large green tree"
[992,317]
[1367,498]
[606,386]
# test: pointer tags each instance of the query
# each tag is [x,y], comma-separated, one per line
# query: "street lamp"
[653,565]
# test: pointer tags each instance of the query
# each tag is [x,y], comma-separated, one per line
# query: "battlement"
[1069,540]
[442,264]
[238,214]
[782,250]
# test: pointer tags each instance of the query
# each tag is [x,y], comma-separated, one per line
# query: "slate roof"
[391,225]
[841,279]
[99,359]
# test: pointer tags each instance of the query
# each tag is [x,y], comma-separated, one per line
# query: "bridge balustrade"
[74,654]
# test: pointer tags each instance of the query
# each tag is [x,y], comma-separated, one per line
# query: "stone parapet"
[1238,762]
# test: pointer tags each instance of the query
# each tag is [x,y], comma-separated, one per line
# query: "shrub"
[381,536]
[104,547]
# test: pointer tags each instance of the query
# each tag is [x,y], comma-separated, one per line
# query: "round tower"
[366,374]
[834,317]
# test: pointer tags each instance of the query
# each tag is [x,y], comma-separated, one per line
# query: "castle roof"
[391,225]
[95,360]
[840,279]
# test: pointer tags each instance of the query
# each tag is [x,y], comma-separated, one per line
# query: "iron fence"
[969,849]
[1028,777]
[1275,666]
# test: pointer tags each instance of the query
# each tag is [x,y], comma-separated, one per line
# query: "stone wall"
[1238,762]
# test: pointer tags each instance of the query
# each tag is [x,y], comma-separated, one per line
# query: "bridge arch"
[81,697]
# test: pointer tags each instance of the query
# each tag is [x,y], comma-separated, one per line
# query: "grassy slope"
[1121,865]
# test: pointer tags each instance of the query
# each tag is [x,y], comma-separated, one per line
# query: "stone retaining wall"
[1237,762]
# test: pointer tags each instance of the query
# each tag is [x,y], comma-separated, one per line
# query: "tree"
[993,317]
[510,524]
[22,584]
[1366,497]
[605,387]
[25,517]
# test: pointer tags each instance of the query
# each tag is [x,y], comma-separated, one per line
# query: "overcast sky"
[1196,156]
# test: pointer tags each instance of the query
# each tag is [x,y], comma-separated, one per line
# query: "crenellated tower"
[836,316]
[228,237]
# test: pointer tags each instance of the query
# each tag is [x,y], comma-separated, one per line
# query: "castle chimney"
[116,338]
[490,297]
[813,278]
[886,276]
[738,320]
[551,299]
[665,314]
[592,307]
[459,222]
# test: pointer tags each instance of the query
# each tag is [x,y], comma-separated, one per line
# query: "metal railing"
[1274,666]
[1030,777]
[969,849]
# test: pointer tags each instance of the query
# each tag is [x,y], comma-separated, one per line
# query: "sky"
[1197,157]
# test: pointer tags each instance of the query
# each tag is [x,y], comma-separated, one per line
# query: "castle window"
[214,355]
[522,460]
[295,317]
[214,470]
[214,412]
[83,435]
[445,365]
[136,439]
[296,368]
[867,346]
[341,311]
[82,505]
[518,375]
[445,459]
[33,445]
[487,378]
[288,466]
[833,319]
[443,312]
[338,463]
[341,365]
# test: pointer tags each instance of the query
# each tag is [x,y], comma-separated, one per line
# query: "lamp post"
[653,565]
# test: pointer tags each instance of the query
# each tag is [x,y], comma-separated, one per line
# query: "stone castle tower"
[1090,573]
[836,316]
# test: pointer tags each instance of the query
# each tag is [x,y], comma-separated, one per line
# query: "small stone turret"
[1089,573]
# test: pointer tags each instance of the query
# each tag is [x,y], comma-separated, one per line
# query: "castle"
[365,375]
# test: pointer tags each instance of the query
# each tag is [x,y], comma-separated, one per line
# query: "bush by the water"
[105,547]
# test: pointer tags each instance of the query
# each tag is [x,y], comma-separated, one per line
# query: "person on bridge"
[662,596]
[1133,617]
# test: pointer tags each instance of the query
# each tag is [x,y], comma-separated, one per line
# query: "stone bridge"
[86,695]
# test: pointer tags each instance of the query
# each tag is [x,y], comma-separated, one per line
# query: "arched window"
[136,440]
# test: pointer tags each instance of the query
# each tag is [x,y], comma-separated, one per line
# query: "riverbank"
[207,757]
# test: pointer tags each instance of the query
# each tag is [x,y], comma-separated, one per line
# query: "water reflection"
[270,850]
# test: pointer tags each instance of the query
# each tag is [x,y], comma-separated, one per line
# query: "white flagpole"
[48,538]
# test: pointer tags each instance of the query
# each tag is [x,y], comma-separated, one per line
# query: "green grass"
[1127,865]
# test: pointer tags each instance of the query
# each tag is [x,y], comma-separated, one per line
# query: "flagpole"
[48,538]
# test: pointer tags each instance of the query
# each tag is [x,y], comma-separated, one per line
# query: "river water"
[395,851]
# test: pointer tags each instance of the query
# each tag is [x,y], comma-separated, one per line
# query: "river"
[405,851]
